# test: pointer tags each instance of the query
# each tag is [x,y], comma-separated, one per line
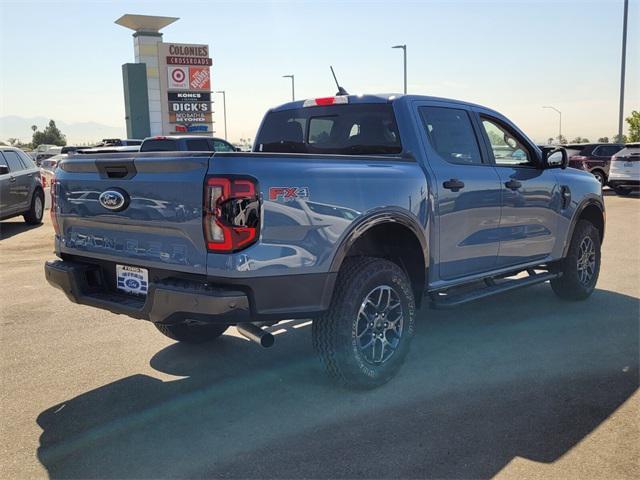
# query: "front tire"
[581,267]
[35,213]
[364,337]
[194,333]
[600,177]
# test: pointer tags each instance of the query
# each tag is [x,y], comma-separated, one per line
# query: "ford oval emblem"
[114,199]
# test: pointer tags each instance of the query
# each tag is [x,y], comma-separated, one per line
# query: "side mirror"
[556,158]
[4,169]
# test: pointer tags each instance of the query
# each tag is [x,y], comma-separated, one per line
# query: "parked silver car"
[21,191]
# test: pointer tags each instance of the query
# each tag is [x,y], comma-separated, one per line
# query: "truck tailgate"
[161,224]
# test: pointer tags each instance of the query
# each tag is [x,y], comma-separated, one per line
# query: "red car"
[593,157]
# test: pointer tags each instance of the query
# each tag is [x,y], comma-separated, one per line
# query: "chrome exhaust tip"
[253,332]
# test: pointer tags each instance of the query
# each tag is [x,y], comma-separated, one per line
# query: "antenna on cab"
[341,91]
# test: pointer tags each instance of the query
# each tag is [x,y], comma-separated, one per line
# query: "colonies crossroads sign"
[187,87]
[188,55]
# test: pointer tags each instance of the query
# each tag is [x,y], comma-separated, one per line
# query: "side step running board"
[453,300]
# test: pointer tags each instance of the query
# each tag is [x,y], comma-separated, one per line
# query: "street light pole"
[224,109]
[404,55]
[560,125]
[622,67]
[293,86]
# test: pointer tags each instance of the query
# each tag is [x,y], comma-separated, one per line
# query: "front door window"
[507,150]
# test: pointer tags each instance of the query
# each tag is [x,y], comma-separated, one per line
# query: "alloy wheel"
[379,325]
[586,261]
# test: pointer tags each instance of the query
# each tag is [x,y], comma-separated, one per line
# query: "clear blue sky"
[63,59]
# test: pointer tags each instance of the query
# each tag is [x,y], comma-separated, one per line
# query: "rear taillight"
[54,204]
[231,213]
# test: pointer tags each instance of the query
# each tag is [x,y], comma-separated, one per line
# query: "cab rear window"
[159,145]
[352,129]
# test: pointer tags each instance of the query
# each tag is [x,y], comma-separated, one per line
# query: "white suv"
[624,172]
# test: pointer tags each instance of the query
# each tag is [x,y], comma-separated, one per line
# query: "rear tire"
[35,213]
[364,337]
[581,267]
[191,332]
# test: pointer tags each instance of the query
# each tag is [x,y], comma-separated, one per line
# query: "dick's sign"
[175,107]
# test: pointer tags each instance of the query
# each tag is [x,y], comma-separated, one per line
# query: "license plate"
[132,279]
[628,164]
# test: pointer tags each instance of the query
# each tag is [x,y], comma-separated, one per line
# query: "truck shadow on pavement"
[9,229]
[611,193]
[521,375]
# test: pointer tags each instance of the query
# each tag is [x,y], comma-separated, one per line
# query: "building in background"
[168,88]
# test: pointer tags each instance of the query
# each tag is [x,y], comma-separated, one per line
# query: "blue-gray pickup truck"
[353,211]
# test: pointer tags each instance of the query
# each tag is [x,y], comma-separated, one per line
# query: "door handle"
[12,179]
[513,185]
[566,196]
[454,185]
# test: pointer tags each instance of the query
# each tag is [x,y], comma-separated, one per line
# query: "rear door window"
[451,134]
[351,129]
[13,160]
[606,150]
[27,161]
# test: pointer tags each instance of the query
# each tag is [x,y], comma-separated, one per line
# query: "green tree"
[619,139]
[603,140]
[562,140]
[633,121]
[495,138]
[50,135]
[580,140]
[550,140]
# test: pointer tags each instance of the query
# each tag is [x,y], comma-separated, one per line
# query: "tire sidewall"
[570,272]
[367,280]
[31,216]
[39,195]
[600,177]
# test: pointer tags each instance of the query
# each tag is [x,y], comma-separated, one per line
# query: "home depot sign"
[191,78]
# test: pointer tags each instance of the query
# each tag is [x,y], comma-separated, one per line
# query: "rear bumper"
[172,298]
[168,301]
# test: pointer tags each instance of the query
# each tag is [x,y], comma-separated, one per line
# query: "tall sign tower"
[173,81]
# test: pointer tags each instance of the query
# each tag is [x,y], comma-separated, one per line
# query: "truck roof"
[380,98]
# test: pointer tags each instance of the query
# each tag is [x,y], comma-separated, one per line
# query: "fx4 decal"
[288,194]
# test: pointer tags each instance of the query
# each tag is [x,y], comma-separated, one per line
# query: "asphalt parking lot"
[518,386]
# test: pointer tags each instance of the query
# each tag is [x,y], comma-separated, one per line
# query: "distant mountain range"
[13,126]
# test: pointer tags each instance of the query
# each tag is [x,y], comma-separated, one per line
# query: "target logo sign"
[179,77]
